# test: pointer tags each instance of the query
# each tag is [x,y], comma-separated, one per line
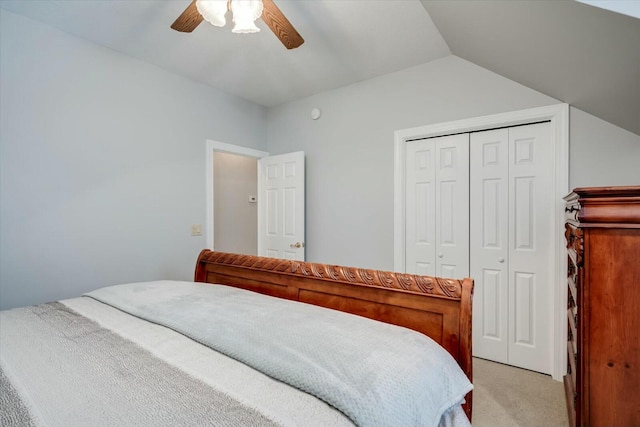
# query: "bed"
[223,351]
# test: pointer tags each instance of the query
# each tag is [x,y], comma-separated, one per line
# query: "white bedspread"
[375,373]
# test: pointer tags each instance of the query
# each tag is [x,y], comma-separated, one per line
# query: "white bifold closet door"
[511,245]
[437,206]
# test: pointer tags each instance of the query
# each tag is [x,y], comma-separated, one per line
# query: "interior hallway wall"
[235,179]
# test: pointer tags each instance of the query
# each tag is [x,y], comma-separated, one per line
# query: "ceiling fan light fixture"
[213,11]
[245,13]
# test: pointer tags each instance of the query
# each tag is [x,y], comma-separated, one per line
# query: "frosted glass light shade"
[213,11]
[245,12]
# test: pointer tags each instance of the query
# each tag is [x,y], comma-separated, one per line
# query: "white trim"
[559,117]
[210,149]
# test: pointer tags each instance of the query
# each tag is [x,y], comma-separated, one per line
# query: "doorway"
[213,148]
[235,207]
[279,202]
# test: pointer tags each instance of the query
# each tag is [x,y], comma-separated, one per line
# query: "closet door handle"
[440,255]
[500,259]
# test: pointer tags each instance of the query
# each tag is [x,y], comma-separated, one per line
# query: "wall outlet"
[196,230]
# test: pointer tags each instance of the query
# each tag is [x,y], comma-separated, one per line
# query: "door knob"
[440,255]
[500,259]
[297,245]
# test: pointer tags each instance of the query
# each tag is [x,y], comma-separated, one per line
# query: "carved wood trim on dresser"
[602,231]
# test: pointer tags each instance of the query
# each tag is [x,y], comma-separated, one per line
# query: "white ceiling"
[571,51]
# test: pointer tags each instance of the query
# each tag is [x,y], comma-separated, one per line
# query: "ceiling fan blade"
[188,20]
[280,25]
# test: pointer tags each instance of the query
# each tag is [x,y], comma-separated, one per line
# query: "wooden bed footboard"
[439,308]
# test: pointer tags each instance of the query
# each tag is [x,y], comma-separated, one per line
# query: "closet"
[480,204]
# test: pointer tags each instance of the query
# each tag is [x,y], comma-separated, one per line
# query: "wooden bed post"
[466,359]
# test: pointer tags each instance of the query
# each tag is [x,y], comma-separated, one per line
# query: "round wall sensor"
[316,113]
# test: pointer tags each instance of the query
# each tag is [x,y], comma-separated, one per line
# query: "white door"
[531,233]
[281,200]
[420,208]
[511,245]
[437,206]
[452,201]
[489,242]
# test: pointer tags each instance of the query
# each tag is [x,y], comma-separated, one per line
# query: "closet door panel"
[531,247]
[488,239]
[452,211]
[420,208]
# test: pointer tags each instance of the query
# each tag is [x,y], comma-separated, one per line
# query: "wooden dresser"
[602,385]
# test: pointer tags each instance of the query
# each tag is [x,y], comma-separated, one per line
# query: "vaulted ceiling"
[580,54]
[576,53]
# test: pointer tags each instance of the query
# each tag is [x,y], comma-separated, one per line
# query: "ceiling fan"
[265,9]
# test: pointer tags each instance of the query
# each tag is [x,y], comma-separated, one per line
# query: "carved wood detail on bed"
[439,308]
[408,282]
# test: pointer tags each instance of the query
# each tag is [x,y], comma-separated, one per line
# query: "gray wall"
[601,154]
[349,150]
[102,164]
[235,218]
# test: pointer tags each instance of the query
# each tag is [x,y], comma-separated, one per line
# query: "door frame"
[211,147]
[558,115]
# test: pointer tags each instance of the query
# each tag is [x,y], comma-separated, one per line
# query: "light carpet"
[509,396]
